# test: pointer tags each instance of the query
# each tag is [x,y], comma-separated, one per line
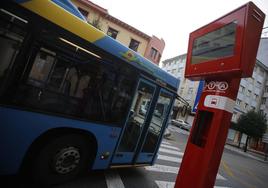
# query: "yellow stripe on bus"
[64,19]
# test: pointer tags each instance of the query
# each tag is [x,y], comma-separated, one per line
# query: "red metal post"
[207,138]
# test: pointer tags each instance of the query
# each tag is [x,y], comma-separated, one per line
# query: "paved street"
[236,170]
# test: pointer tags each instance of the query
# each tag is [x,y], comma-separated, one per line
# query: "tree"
[235,127]
[253,124]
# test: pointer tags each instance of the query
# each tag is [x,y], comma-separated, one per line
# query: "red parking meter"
[221,53]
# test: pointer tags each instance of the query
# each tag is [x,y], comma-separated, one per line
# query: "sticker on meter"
[219,102]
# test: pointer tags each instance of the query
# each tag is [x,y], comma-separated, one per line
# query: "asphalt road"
[236,171]
[239,171]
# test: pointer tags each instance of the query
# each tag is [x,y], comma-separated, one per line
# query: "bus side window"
[41,68]
[82,85]
[12,33]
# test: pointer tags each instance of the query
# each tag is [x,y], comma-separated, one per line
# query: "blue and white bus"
[71,96]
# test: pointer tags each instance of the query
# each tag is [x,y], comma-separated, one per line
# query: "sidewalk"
[250,153]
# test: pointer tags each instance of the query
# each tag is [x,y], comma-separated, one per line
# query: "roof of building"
[111,18]
[262,54]
[174,58]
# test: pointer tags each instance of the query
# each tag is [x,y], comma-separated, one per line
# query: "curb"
[231,148]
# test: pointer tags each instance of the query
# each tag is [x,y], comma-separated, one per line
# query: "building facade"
[150,47]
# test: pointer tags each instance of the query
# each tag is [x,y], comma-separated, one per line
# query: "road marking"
[170,147]
[113,180]
[167,184]
[165,142]
[171,169]
[180,131]
[171,151]
[227,169]
[220,177]
[168,158]
[231,174]
[163,169]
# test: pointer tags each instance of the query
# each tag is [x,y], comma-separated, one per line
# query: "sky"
[173,20]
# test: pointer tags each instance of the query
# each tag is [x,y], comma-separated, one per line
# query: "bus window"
[12,34]
[42,66]
[69,81]
[157,122]
[136,120]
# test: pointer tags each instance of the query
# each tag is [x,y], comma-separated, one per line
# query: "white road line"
[165,142]
[171,151]
[167,184]
[170,147]
[168,158]
[171,169]
[113,180]
[220,177]
[163,169]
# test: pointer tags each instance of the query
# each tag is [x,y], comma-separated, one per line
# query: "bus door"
[156,127]
[135,124]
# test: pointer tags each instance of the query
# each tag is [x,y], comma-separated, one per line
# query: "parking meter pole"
[207,138]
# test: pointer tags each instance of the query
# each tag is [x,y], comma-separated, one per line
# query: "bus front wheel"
[61,159]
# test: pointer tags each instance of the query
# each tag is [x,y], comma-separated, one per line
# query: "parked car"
[181,123]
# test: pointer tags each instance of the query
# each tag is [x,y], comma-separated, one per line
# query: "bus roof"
[66,15]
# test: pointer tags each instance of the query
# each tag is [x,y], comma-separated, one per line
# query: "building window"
[249,93]
[263,101]
[238,102]
[153,53]
[173,71]
[258,84]
[234,116]
[242,89]
[181,90]
[112,32]
[134,45]
[180,70]
[83,12]
[190,91]
[159,57]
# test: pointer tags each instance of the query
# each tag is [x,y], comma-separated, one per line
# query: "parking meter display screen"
[214,45]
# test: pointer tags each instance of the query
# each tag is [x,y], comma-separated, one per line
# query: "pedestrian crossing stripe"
[171,169]
[171,151]
[113,180]
[169,147]
[166,184]
[169,158]
[163,168]
[165,142]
